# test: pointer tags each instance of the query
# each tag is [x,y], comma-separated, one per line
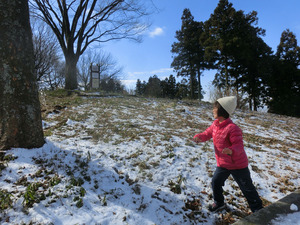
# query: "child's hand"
[227,151]
[197,140]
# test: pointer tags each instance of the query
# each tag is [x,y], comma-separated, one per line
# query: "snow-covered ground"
[292,218]
[133,161]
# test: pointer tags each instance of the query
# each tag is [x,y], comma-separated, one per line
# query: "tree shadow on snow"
[92,192]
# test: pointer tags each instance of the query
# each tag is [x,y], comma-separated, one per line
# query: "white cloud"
[162,70]
[151,73]
[129,83]
[133,76]
[156,32]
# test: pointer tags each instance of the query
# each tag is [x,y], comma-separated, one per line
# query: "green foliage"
[4,159]
[9,157]
[31,194]
[284,81]
[176,187]
[79,203]
[54,180]
[153,87]
[104,201]
[167,88]
[76,182]
[36,191]
[189,59]
[5,200]
[239,51]
[82,192]
[111,85]
[89,156]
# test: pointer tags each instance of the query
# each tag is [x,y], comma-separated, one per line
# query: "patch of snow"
[293,207]
[289,219]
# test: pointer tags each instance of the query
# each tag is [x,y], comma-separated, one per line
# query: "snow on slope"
[132,161]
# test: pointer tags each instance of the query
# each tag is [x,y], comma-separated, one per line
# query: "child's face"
[215,112]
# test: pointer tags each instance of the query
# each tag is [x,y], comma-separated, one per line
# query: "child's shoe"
[215,207]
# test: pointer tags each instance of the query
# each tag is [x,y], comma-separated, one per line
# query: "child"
[230,155]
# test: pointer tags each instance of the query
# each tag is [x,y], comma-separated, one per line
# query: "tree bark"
[199,86]
[71,72]
[20,114]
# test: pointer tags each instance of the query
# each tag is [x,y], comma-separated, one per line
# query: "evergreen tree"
[251,58]
[189,60]
[284,84]
[288,49]
[239,51]
[182,89]
[169,87]
[153,88]
[257,66]
[139,88]
[219,42]
[172,86]
[165,88]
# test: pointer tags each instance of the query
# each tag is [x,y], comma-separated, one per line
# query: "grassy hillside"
[128,160]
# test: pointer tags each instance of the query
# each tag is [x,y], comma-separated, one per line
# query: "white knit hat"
[228,103]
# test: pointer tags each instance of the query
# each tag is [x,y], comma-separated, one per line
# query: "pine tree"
[219,42]
[182,89]
[139,89]
[172,86]
[169,87]
[153,88]
[238,50]
[164,88]
[251,58]
[284,84]
[189,59]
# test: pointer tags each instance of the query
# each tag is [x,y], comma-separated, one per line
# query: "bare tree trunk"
[199,86]
[250,103]
[71,72]
[20,114]
[192,81]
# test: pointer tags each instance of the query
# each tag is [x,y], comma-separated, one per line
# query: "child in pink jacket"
[230,155]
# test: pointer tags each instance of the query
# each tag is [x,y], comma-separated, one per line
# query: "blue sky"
[153,55]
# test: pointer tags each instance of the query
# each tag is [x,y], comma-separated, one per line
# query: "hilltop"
[129,160]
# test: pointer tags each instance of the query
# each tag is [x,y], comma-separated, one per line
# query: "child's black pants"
[243,178]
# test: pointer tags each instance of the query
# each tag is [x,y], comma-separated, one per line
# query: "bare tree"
[78,24]
[84,70]
[109,68]
[45,48]
[47,64]
[55,78]
[20,114]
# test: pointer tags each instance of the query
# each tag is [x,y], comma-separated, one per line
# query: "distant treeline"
[167,88]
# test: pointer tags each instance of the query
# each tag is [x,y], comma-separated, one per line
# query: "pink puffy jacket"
[226,135]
